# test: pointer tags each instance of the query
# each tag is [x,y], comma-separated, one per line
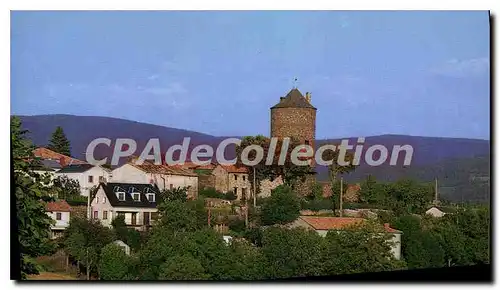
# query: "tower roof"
[294,99]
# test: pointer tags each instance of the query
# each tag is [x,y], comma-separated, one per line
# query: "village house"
[226,178]
[163,176]
[136,202]
[322,225]
[59,211]
[88,176]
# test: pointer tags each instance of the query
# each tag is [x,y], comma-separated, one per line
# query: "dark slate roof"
[129,201]
[76,168]
[294,99]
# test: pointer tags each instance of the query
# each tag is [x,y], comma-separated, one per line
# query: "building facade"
[60,212]
[164,177]
[136,202]
[88,176]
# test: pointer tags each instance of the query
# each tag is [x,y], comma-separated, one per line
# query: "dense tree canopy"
[33,224]
[281,207]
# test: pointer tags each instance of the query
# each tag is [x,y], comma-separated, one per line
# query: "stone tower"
[295,116]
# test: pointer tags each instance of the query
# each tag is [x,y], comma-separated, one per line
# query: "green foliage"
[59,143]
[66,188]
[230,195]
[183,267]
[282,207]
[129,236]
[211,193]
[84,240]
[33,224]
[179,193]
[114,263]
[359,249]
[237,225]
[183,216]
[403,196]
[318,204]
[292,253]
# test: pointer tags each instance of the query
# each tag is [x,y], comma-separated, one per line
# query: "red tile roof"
[45,153]
[60,205]
[235,169]
[338,223]
[164,169]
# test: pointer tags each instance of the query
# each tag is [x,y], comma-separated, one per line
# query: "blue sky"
[370,73]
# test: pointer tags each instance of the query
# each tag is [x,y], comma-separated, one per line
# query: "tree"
[178,193]
[129,236]
[84,240]
[182,216]
[290,172]
[281,207]
[33,224]
[59,143]
[183,267]
[357,249]
[114,263]
[291,253]
[335,168]
[65,188]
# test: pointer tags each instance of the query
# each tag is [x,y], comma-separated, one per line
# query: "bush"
[282,207]
[318,204]
[114,263]
[237,225]
[230,195]
[76,200]
[212,193]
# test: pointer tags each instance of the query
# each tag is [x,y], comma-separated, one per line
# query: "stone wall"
[267,185]
[206,181]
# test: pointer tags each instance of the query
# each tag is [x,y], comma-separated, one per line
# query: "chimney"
[282,98]
[62,161]
[308,97]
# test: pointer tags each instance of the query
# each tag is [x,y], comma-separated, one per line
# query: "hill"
[459,162]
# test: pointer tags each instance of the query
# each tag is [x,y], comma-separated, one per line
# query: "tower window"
[307,142]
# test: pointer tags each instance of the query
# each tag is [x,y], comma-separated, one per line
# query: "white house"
[164,177]
[87,175]
[59,211]
[435,212]
[322,225]
[136,202]
[125,247]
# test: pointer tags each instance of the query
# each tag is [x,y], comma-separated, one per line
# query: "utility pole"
[341,193]
[436,199]
[254,192]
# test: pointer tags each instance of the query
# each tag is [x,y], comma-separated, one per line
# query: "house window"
[171,186]
[103,200]
[96,214]
[137,197]
[236,191]
[151,197]
[105,215]
[235,177]
[244,193]
[307,142]
[91,179]
[97,199]
[58,216]
[121,196]
[244,177]
[101,179]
